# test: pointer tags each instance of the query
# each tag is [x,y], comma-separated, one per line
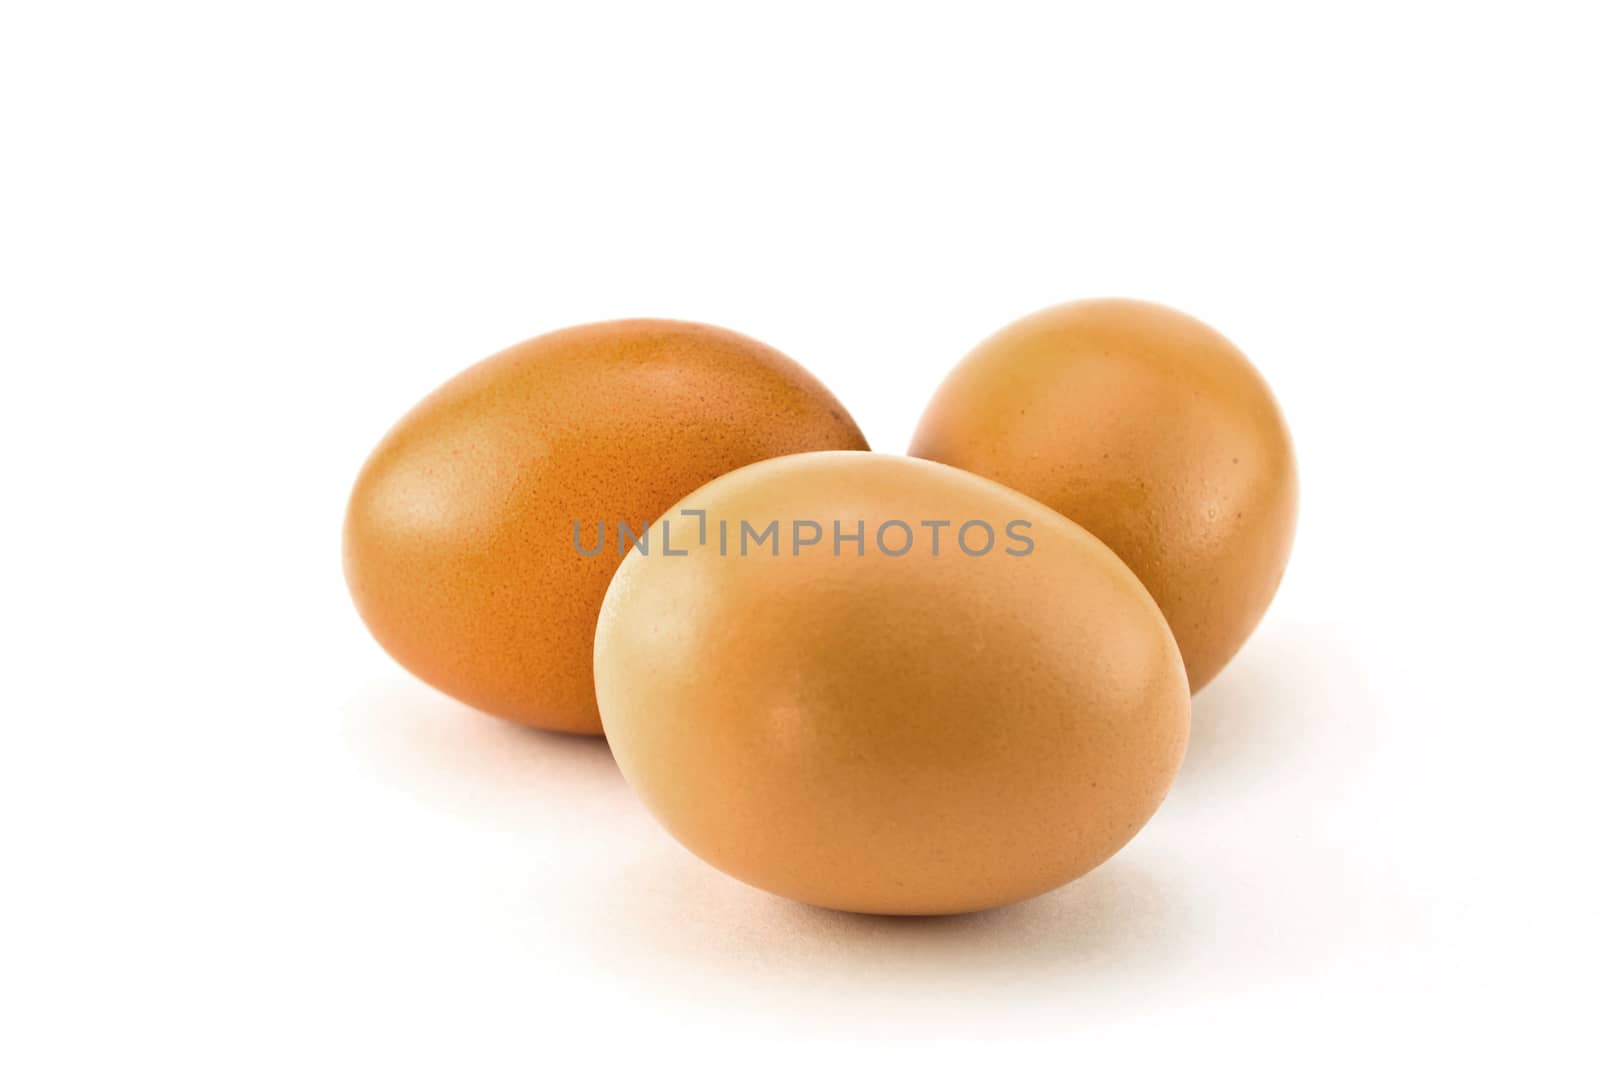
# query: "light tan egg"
[884,685]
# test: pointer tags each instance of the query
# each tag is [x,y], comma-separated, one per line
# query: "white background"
[237,243]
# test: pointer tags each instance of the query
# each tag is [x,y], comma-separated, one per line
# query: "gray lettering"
[745,530]
[624,533]
[699,513]
[859,537]
[666,540]
[798,543]
[577,539]
[961,537]
[1023,539]
[903,548]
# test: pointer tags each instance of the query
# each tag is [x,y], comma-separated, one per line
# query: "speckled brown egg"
[884,685]
[1155,433]
[482,532]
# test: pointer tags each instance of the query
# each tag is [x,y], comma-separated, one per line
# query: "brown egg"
[1153,432]
[460,539]
[973,703]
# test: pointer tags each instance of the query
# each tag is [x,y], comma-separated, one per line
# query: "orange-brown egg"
[1152,431]
[463,533]
[884,685]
